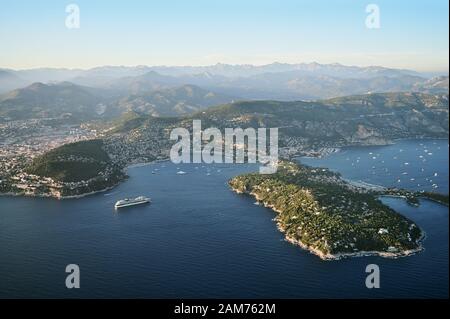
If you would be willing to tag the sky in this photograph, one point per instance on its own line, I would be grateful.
(412, 34)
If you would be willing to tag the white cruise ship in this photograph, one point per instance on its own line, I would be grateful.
(132, 202)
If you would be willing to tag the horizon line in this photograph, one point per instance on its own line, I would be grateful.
(446, 70)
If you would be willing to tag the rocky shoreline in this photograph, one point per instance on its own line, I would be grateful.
(46, 195)
(336, 256)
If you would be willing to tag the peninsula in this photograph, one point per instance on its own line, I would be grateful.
(319, 211)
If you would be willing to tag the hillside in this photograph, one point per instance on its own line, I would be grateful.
(319, 211)
(172, 101)
(367, 119)
(78, 103)
(51, 100)
(433, 86)
(302, 85)
(72, 162)
(387, 115)
(374, 119)
(282, 82)
(9, 81)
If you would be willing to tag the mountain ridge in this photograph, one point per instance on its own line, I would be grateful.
(279, 81)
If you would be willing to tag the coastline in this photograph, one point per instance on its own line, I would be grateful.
(140, 164)
(87, 194)
(59, 197)
(124, 170)
(433, 200)
(327, 151)
(339, 256)
(320, 153)
(336, 256)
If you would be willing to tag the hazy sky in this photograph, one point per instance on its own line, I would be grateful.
(413, 33)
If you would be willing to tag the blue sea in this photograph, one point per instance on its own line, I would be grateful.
(420, 165)
(198, 239)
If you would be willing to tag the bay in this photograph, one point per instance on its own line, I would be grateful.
(200, 240)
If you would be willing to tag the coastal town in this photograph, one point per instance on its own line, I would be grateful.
(23, 143)
(23, 140)
(41, 157)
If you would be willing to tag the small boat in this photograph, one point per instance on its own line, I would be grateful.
(181, 173)
(132, 202)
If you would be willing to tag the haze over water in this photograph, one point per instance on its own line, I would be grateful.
(198, 239)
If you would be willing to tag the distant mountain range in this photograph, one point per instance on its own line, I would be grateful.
(107, 92)
(273, 81)
(79, 103)
(182, 100)
(50, 101)
(434, 85)
(10, 81)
